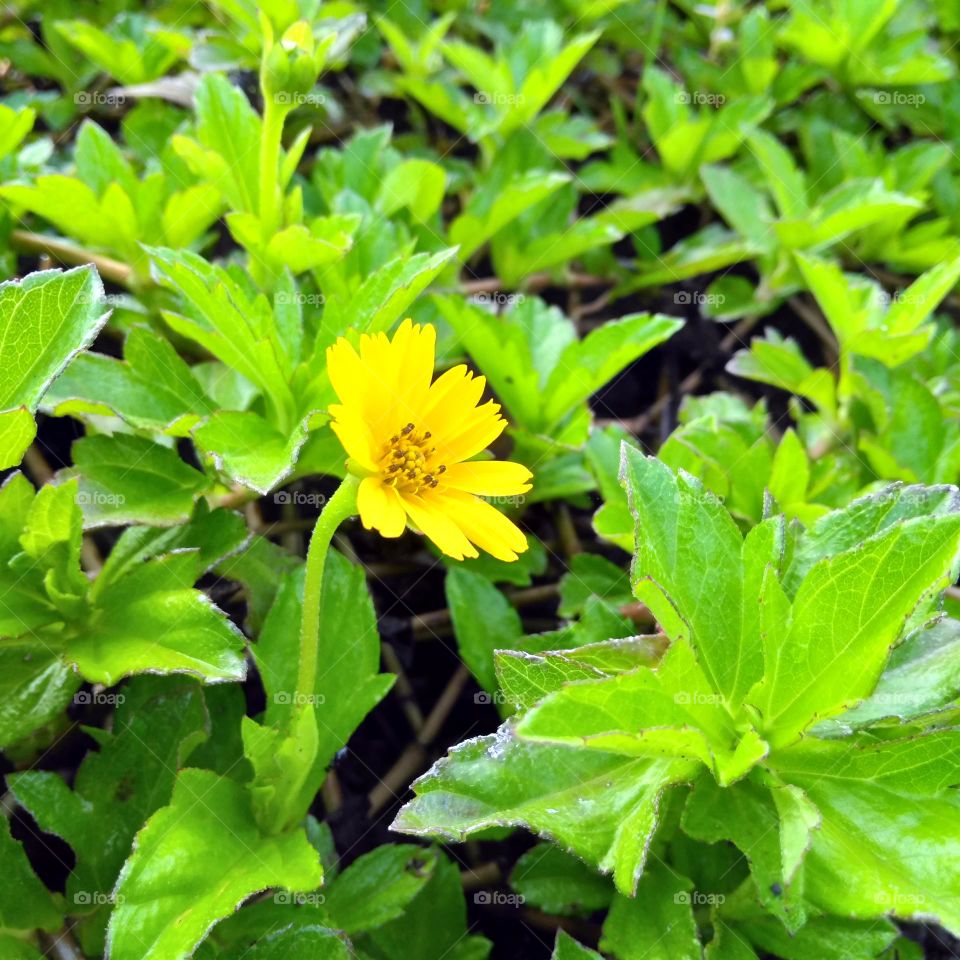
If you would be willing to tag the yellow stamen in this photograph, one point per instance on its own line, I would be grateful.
(405, 461)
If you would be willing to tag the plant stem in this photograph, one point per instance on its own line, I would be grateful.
(341, 505)
(274, 114)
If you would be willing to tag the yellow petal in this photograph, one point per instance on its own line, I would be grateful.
(476, 432)
(483, 524)
(489, 478)
(452, 396)
(352, 431)
(431, 519)
(380, 508)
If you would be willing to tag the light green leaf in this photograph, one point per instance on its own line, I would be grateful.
(248, 449)
(153, 621)
(128, 479)
(25, 903)
(848, 612)
(689, 569)
(600, 806)
(349, 683)
(194, 863)
(587, 365)
(45, 319)
(658, 924)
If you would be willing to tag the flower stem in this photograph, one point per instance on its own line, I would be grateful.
(341, 505)
(271, 137)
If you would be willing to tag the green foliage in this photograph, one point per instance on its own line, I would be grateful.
(771, 634)
(725, 235)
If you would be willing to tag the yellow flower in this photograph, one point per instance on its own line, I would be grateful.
(412, 441)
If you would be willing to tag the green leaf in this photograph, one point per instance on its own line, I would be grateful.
(728, 943)
(194, 863)
(25, 903)
(383, 296)
(772, 827)
(45, 320)
(116, 788)
(15, 949)
(526, 678)
(779, 361)
(477, 639)
(415, 184)
(378, 886)
(556, 882)
(432, 927)
(848, 612)
(151, 389)
(229, 129)
(216, 534)
(586, 365)
(658, 924)
(153, 621)
(35, 687)
(17, 430)
(312, 941)
(128, 479)
(486, 215)
(230, 320)
(613, 521)
(591, 575)
(600, 806)
(249, 450)
(862, 519)
(823, 938)
(926, 764)
(567, 948)
(922, 676)
(689, 569)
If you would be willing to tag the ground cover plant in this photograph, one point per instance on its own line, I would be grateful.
(479, 480)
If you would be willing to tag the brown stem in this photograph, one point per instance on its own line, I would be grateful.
(71, 255)
(413, 759)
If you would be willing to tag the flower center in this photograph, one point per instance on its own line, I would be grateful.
(406, 461)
